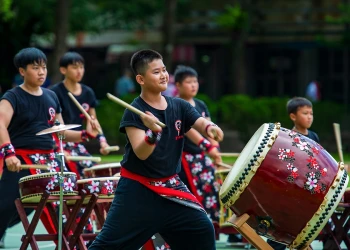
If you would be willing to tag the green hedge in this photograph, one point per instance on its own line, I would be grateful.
(235, 112)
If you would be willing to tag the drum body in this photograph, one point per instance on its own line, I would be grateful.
(103, 186)
(287, 183)
(32, 187)
(102, 170)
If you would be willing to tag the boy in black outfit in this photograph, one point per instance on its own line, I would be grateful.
(300, 112)
(24, 111)
(72, 67)
(150, 197)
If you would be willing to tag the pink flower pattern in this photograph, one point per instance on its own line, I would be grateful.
(313, 181)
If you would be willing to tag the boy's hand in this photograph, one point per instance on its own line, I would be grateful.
(95, 124)
(13, 164)
(215, 133)
(215, 155)
(93, 127)
(104, 145)
(149, 120)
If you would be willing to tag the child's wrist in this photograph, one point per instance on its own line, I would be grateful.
(152, 138)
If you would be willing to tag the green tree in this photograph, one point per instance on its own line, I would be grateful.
(20, 20)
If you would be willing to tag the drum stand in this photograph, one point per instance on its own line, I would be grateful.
(60, 181)
(240, 223)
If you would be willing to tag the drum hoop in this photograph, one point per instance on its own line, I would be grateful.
(325, 211)
(51, 193)
(240, 182)
(45, 175)
(113, 178)
(103, 166)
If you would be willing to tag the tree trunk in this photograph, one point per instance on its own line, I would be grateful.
(61, 32)
(169, 32)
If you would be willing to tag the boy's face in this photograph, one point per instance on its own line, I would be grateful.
(188, 87)
(156, 77)
(35, 74)
(73, 72)
(304, 117)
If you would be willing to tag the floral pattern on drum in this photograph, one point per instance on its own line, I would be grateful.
(313, 177)
(104, 187)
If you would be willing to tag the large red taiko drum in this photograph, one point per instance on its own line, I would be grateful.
(288, 184)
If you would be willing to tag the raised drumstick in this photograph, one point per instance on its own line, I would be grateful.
(41, 167)
(131, 108)
(336, 127)
(86, 114)
(83, 158)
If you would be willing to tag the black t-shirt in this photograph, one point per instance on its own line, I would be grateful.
(32, 114)
(165, 160)
(202, 109)
(70, 112)
(312, 135)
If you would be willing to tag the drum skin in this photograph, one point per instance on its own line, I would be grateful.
(288, 189)
(32, 187)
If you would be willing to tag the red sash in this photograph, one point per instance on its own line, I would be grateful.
(162, 187)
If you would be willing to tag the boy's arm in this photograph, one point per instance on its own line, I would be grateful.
(143, 143)
(208, 128)
(101, 138)
(210, 148)
(6, 113)
(77, 136)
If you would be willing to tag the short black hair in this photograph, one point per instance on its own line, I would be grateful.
(182, 71)
(140, 60)
(295, 103)
(28, 56)
(71, 58)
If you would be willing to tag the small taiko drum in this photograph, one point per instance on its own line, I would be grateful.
(103, 170)
(31, 187)
(287, 183)
(103, 186)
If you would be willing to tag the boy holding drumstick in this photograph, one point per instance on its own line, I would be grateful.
(149, 188)
(72, 67)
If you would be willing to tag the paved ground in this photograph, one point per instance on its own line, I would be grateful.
(13, 242)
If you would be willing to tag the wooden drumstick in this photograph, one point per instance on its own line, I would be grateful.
(131, 108)
(336, 127)
(86, 114)
(112, 148)
(41, 167)
(229, 154)
(224, 165)
(83, 158)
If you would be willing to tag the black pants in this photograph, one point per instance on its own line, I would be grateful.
(9, 190)
(137, 213)
(276, 245)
